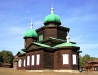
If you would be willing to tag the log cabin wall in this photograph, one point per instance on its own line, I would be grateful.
(48, 58)
(29, 40)
(22, 57)
(35, 66)
(76, 66)
(58, 62)
(50, 32)
(61, 34)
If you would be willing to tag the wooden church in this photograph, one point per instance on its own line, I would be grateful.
(48, 47)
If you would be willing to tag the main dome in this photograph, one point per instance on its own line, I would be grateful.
(30, 33)
(52, 18)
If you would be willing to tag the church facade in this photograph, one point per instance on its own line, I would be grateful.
(48, 47)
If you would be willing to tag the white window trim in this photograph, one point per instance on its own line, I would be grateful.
(41, 36)
(74, 59)
(28, 60)
(19, 63)
(24, 62)
(32, 63)
(37, 59)
(65, 59)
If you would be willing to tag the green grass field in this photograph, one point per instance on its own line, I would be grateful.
(10, 71)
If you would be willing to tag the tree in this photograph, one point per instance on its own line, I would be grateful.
(6, 56)
(80, 61)
(1, 58)
(84, 59)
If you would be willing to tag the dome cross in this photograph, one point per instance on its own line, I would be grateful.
(52, 9)
(31, 24)
(67, 38)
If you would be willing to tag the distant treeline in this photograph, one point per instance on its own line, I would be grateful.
(84, 59)
(6, 57)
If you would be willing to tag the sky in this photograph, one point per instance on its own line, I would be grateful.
(81, 16)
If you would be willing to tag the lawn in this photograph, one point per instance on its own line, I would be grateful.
(9, 71)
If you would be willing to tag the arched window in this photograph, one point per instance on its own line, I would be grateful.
(24, 62)
(32, 60)
(19, 62)
(28, 60)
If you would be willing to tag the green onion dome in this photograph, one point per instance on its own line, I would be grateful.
(52, 18)
(30, 33)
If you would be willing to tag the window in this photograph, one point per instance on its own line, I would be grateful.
(24, 63)
(65, 59)
(51, 24)
(28, 60)
(38, 59)
(32, 60)
(95, 69)
(19, 63)
(74, 58)
(40, 37)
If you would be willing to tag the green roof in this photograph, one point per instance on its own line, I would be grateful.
(22, 52)
(30, 33)
(52, 18)
(59, 45)
(53, 40)
(65, 45)
(40, 44)
(79, 51)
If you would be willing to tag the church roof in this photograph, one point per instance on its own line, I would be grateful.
(53, 40)
(30, 33)
(22, 52)
(59, 43)
(65, 44)
(52, 18)
(40, 44)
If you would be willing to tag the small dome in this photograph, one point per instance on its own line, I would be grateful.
(52, 18)
(30, 33)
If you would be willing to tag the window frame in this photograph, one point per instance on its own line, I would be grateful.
(41, 37)
(38, 59)
(28, 60)
(65, 59)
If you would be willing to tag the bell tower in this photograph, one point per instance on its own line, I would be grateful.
(52, 27)
(30, 36)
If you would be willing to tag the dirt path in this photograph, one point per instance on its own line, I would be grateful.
(8, 71)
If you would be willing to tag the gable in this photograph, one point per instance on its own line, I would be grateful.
(52, 41)
(36, 45)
